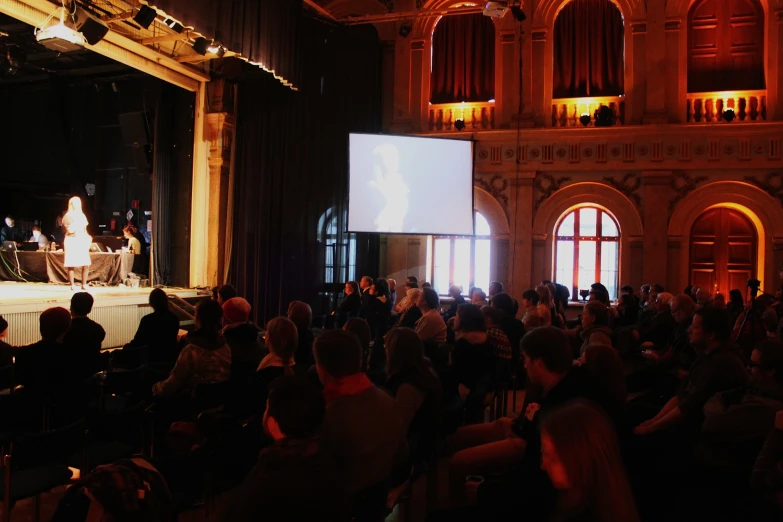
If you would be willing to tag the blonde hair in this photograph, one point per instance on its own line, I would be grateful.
(545, 296)
(282, 339)
(75, 204)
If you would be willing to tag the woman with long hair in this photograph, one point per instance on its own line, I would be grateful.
(581, 455)
(546, 305)
(77, 241)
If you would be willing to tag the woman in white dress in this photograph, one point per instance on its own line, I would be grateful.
(77, 241)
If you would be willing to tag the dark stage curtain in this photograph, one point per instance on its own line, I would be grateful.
(161, 185)
(264, 31)
(292, 167)
(463, 59)
(589, 50)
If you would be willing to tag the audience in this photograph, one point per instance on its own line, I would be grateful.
(83, 339)
(479, 298)
(363, 429)
(302, 316)
(294, 479)
(365, 283)
(225, 293)
(242, 336)
(546, 305)
(595, 325)
(205, 359)
(411, 282)
(158, 331)
(431, 327)
(531, 317)
(282, 340)
(412, 313)
(496, 337)
(495, 287)
(7, 352)
(473, 361)
(455, 293)
(42, 367)
(380, 308)
(351, 304)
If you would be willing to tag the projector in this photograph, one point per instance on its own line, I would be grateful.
(60, 38)
(496, 9)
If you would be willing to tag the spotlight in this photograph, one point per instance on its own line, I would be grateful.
(459, 124)
(145, 16)
(604, 117)
(201, 45)
(173, 24)
(405, 30)
(518, 13)
(729, 115)
(216, 49)
(585, 119)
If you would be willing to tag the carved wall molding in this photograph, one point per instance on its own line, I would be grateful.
(682, 185)
(497, 187)
(546, 185)
(772, 184)
(628, 185)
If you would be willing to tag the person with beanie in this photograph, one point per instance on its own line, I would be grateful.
(242, 337)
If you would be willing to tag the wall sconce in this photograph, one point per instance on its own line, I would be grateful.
(459, 124)
(729, 115)
(585, 119)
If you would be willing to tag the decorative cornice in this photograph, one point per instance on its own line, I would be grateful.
(547, 185)
(628, 185)
(772, 184)
(497, 187)
(682, 185)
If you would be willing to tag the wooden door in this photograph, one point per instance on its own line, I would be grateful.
(725, 45)
(723, 251)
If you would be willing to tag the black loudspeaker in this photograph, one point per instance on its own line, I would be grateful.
(134, 129)
(92, 28)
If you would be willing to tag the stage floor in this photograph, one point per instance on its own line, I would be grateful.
(117, 308)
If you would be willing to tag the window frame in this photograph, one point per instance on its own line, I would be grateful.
(343, 264)
(576, 238)
(452, 242)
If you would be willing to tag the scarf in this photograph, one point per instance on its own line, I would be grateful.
(346, 386)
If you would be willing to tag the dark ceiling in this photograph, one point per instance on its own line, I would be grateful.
(31, 62)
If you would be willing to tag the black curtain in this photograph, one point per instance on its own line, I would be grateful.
(161, 185)
(292, 167)
(264, 31)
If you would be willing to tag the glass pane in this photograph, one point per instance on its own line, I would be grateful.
(588, 221)
(440, 272)
(482, 226)
(608, 228)
(331, 228)
(481, 271)
(586, 264)
(609, 264)
(352, 259)
(564, 267)
(566, 227)
(461, 263)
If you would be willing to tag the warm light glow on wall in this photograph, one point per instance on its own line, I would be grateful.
(745, 211)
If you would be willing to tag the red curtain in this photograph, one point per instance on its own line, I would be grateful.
(463, 59)
(264, 31)
(589, 50)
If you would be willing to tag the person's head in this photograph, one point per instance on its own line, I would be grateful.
(365, 282)
(599, 294)
(382, 287)
(469, 318)
(392, 285)
(530, 298)
(294, 409)
(412, 282)
(58, 221)
(75, 204)
(547, 354)
(544, 295)
(710, 329)
(236, 311)
(493, 316)
(703, 297)
(657, 288)
(300, 314)
(3, 327)
(36, 232)
(337, 354)
(581, 455)
(766, 363)
(479, 297)
(81, 304)
(351, 287)
(495, 287)
(158, 300)
(425, 284)
(663, 299)
(413, 295)
(209, 315)
(403, 349)
(504, 303)
(719, 301)
(9, 221)
(682, 308)
(627, 304)
(595, 313)
(360, 328)
(626, 290)
(428, 300)
(225, 293)
(735, 296)
(644, 292)
(455, 291)
(54, 322)
(127, 232)
(282, 339)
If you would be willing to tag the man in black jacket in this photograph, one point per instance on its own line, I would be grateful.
(84, 337)
(351, 304)
(365, 284)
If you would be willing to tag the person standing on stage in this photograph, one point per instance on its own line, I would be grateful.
(77, 241)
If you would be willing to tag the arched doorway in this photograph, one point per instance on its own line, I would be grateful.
(724, 247)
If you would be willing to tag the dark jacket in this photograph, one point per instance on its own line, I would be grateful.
(349, 308)
(304, 351)
(7, 354)
(514, 330)
(42, 367)
(11, 234)
(409, 317)
(158, 332)
(379, 316)
(294, 481)
(657, 329)
(720, 370)
(83, 346)
(473, 360)
(247, 349)
(422, 430)
(679, 354)
(367, 298)
(453, 308)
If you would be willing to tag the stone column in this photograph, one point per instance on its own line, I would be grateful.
(506, 79)
(636, 92)
(388, 75)
(656, 63)
(676, 70)
(656, 195)
(539, 70)
(520, 243)
(401, 105)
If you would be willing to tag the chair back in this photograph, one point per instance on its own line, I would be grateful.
(58, 445)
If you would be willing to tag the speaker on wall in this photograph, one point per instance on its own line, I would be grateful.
(91, 27)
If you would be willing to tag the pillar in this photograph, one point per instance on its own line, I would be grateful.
(506, 78)
(541, 80)
(199, 209)
(676, 71)
(401, 102)
(656, 63)
(520, 244)
(636, 71)
(656, 195)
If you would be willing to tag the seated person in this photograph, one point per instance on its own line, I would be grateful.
(158, 331)
(595, 325)
(134, 245)
(455, 292)
(302, 316)
(282, 341)
(656, 327)
(225, 293)
(530, 316)
(496, 337)
(42, 367)
(363, 428)
(242, 336)
(431, 327)
(411, 282)
(84, 337)
(9, 232)
(473, 361)
(205, 359)
(39, 238)
(413, 313)
(294, 479)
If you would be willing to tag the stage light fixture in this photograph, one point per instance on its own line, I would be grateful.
(585, 119)
(145, 16)
(216, 49)
(459, 124)
(729, 115)
(174, 25)
(405, 30)
(201, 45)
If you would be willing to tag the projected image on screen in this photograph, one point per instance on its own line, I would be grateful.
(401, 184)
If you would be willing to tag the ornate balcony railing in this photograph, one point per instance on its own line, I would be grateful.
(467, 117)
(568, 112)
(727, 107)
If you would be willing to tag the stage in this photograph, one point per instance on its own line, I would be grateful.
(117, 308)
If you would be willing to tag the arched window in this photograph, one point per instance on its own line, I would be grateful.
(589, 50)
(462, 261)
(726, 46)
(587, 247)
(337, 256)
(463, 59)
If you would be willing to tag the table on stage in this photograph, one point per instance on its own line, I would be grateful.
(42, 267)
